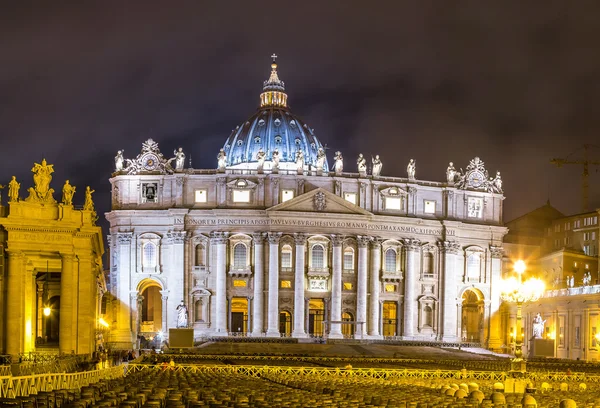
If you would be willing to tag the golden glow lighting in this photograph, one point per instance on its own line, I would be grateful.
(103, 322)
(47, 311)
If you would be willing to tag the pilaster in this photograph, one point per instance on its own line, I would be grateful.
(299, 303)
(273, 307)
(413, 247)
(336, 288)
(259, 273)
(448, 293)
(361, 285)
(375, 273)
(495, 341)
(219, 240)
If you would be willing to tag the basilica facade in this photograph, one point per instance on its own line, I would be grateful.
(274, 241)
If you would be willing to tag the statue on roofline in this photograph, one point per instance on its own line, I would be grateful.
(42, 176)
(411, 169)
(13, 190)
(260, 158)
(339, 163)
(361, 164)
(320, 159)
(68, 192)
(221, 160)
(275, 167)
(179, 159)
(88, 204)
(377, 165)
(119, 160)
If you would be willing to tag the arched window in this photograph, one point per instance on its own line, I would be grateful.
(239, 256)
(428, 316)
(149, 260)
(199, 255)
(318, 256)
(349, 259)
(390, 260)
(473, 265)
(286, 256)
(428, 263)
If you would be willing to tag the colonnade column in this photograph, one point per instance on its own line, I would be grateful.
(259, 272)
(335, 319)
(15, 322)
(375, 288)
(219, 240)
(273, 308)
(299, 330)
(449, 311)
(410, 302)
(361, 286)
(494, 330)
(164, 297)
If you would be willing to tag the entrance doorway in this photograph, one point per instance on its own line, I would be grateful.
(239, 315)
(348, 328)
(390, 318)
(316, 313)
(472, 316)
(285, 324)
(151, 313)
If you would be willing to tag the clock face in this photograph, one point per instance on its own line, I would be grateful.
(150, 162)
(476, 179)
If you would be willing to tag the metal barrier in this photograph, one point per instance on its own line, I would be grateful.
(12, 387)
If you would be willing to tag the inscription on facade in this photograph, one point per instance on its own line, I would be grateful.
(370, 226)
(38, 237)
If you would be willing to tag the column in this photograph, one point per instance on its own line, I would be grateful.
(361, 286)
(15, 322)
(249, 313)
(85, 312)
(68, 312)
(121, 331)
(448, 293)
(495, 342)
(219, 240)
(374, 330)
(335, 331)
(410, 301)
(41, 303)
(175, 268)
(165, 300)
(273, 308)
(299, 302)
(259, 272)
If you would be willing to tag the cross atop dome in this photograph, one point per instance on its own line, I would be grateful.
(274, 89)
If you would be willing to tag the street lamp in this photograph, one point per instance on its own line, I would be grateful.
(514, 290)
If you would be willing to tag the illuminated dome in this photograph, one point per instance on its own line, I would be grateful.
(273, 126)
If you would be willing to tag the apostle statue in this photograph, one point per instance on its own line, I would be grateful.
(275, 167)
(182, 316)
(260, 158)
(339, 163)
(88, 204)
(411, 169)
(538, 326)
(451, 173)
(361, 163)
(221, 160)
(376, 166)
(320, 160)
(179, 159)
(13, 190)
(119, 160)
(496, 184)
(300, 161)
(68, 192)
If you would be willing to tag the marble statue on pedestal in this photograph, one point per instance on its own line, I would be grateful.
(538, 326)
(68, 192)
(300, 161)
(182, 316)
(339, 163)
(119, 160)
(361, 164)
(377, 164)
(260, 158)
(320, 160)
(221, 160)
(179, 159)
(275, 167)
(13, 190)
(495, 184)
(42, 177)
(88, 204)
(411, 169)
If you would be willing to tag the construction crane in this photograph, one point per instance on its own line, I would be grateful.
(585, 183)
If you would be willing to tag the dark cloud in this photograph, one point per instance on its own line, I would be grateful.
(515, 83)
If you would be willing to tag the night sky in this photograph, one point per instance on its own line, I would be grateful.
(515, 84)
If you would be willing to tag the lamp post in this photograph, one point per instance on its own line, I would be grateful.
(514, 290)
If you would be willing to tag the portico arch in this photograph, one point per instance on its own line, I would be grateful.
(149, 301)
(472, 317)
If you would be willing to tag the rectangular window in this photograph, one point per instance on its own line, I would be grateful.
(557, 228)
(351, 197)
(200, 196)
(240, 283)
(475, 207)
(390, 287)
(286, 195)
(586, 250)
(393, 203)
(595, 220)
(577, 224)
(286, 259)
(348, 261)
(567, 226)
(429, 207)
(593, 235)
(241, 196)
(347, 285)
(286, 284)
(556, 243)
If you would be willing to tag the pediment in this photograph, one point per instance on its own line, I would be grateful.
(320, 201)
